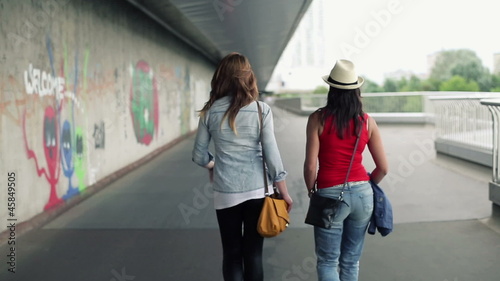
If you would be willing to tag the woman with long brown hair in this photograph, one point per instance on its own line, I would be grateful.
(332, 133)
(230, 118)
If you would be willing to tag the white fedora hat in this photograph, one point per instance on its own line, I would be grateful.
(343, 76)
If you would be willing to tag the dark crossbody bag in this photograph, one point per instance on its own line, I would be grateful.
(322, 210)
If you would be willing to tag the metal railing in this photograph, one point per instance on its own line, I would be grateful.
(413, 107)
(463, 120)
(414, 102)
(467, 125)
(493, 106)
(463, 127)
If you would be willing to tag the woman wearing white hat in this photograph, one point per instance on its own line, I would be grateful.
(332, 132)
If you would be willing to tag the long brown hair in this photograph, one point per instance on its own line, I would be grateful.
(233, 77)
(343, 106)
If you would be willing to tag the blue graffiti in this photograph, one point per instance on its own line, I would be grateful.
(67, 159)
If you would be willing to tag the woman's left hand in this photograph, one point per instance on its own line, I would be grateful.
(211, 175)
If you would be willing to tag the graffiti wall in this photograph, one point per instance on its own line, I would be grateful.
(87, 88)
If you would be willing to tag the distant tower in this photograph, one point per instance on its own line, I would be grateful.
(496, 63)
(431, 61)
(301, 64)
(307, 46)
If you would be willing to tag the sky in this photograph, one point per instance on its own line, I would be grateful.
(383, 36)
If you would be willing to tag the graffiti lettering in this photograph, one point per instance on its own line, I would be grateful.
(44, 84)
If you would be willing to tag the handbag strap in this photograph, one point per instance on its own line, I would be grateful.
(263, 154)
(350, 165)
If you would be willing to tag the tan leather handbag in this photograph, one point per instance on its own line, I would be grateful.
(274, 217)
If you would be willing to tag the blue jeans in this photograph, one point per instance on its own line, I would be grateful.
(341, 246)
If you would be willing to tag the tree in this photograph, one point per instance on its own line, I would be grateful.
(474, 71)
(430, 84)
(320, 90)
(461, 62)
(458, 83)
(371, 87)
(402, 84)
(412, 85)
(390, 85)
(495, 83)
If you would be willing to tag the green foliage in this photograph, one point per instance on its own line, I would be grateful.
(396, 103)
(293, 95)
(371, 87)
(320, 90)
(459, 83)
(430, 85)
(412, 85)
(464, 63)
(449, 65)
(390, 85)
(495, 82)
(402, 84)
(473, 71)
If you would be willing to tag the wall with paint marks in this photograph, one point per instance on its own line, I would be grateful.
(87, 88)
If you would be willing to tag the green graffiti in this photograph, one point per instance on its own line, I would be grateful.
(80, 170)
(143, 103)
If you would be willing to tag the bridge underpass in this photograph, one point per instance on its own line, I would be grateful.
(158, 223)
(100, 210)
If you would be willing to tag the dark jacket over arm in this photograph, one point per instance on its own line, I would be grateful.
(382, 219)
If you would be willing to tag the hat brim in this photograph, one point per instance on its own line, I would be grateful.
(345, 87)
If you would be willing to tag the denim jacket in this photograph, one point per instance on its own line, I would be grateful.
(238, 157)
(381, 219)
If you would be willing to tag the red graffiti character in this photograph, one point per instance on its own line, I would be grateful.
(51, 149)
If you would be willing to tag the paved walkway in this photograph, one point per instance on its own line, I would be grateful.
(157, 222)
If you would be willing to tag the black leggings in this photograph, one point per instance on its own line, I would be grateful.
(242, 251)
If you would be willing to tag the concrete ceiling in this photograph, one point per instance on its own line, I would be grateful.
(259, 29)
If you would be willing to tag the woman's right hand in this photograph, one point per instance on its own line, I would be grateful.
(283, 190)
(289, 202)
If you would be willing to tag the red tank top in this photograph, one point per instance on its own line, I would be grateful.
(335, 155)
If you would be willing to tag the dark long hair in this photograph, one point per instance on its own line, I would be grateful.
(233, 77)
(343, 106)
